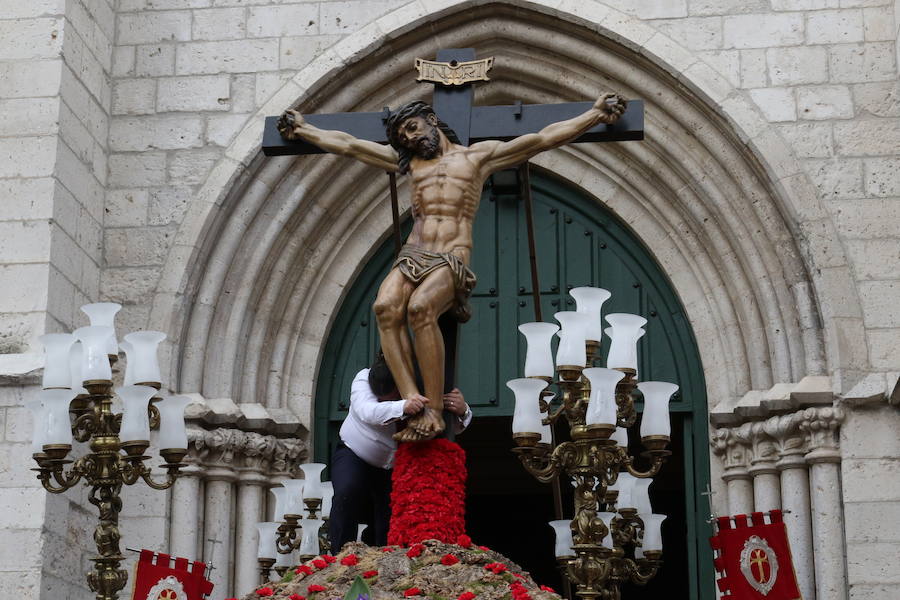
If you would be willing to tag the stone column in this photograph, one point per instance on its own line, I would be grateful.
(217, 453)
(821, 427)
(187, 502)
(250, 509)
(791, 465)
(766, 483)
(736, 456)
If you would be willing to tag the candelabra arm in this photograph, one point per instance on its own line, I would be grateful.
(147, 476)
(554, 463)
(84, 426)
(655, 466)
(641, 571)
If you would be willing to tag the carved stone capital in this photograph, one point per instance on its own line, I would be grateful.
(790, 443)
(232, 454)
(734, 449)
(821, 427)
(763, 453)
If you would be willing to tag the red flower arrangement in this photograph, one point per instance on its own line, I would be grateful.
(547, 588)
(296, 597)
(415, 550)
(518, 575)
(315, 588)
(449, 559)
(518, 591)
(319, 563)
(350, 560)
(466, 596)
(328, 558)
(413, 591)
(388, 549)
(464, 541)
(265, 591)
(303, 570)
(369, 574)
(495, 567)
(428, 492)
(485, 548)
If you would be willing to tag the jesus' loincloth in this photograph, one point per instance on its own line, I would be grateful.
(416, 264)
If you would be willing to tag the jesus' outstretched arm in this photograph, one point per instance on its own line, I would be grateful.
(293, 126)
(501, 155)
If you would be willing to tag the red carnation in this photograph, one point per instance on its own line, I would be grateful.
(350, 560)
(266, 591)
(466, 595)
(368, 574)
(296, 597)
(315, 588)
(411, 592)
(388, 549)
(547, 588)
(485, 548)
(518, 575)
(449, 559)
(496, 567)
(303, 569)
(329, 558)
(415, 550)
(464, 541)
(319, 563)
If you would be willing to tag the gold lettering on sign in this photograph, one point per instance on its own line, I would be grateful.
(454, 73)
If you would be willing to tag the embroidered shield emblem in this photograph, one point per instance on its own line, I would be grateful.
(167, 588)
(759, 564)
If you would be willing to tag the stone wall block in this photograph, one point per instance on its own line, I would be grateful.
(762, 31)
(26, 199)
(129, 285)
(834, 27)
(881, 99)
(726, 7)
(169, 204)
(294, 19)
(236, 56)
(221, 129)
(194, 94)
(219, 24)
(25, 39)
(25, 241)
(123, 61)
(873, 562)
(126, 208)
(187, 167)
(797, 65)
(696, 33)
(29, 116)
(133, 170)
(136, 247)
(776, 104)
(881, 304)
(872, 522)
(30, 78)
(884, 346)
(858, 63)
(824, 102)
(134, 97)
(726, 62)
(27, 156)
(155, 133)
(754, 73)
(836, 178)
(879, 24)
(866, 219)
(809, 140)
(148, 27)
(882, 177)
(155, 60)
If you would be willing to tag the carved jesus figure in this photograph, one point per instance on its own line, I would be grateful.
(431, 273)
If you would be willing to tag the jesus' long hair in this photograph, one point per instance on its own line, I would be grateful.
(417, 108)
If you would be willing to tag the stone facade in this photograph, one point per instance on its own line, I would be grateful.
(768, 189)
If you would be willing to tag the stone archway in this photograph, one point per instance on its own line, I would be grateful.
(270, 245)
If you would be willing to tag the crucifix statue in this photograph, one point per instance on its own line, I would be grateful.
(431, 274)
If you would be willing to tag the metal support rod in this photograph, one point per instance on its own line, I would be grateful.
(395, 213)
(525, 194)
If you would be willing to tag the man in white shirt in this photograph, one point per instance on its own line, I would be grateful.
(362, 462)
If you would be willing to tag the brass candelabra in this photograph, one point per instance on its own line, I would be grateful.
(108, 466)
(594, 462)
(287, 539)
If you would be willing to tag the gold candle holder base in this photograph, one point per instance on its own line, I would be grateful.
(527, 439)
(57, 451)
(655, 443)
(601, 431)
(135, 448)
(569, 372)
(173, 456)
(653, 555)
(154, 384)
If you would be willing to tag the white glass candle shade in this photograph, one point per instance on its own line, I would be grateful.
(104, 314)
(624, 485)
(538, 352)
(309, 542)
(571, 351)
(640, 495)
(75, 369)
(620, 435)
(293, 499)
(285, 560)
(172, 433)
(607, 518)
(39, 428)
(624, 333)
(655, 420)
(266, 546)
(94, 359)
(359, 531)
(652, 532)
(142, 359)
(135, 419)
(589, 301)
(280, 493)
(327, 498)
(56, 359)
(564, 543)
(128, 378)
(527, 415)
(56, 418)
(602, 404)
(312, 477)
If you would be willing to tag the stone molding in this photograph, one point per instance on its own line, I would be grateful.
(822, 427)
(250, 457)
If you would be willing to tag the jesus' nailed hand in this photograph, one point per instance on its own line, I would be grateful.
(431, 274)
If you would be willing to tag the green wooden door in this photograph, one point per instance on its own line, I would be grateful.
(579, 243)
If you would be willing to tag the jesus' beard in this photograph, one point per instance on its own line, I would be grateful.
(428, 146)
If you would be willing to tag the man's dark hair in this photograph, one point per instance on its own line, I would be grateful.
(417, 108)
(380, 378)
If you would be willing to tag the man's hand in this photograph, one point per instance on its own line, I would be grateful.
(455, 403)
(613, 107)
(288, 124)
(414, 404)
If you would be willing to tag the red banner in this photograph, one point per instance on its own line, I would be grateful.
(754, 561)
(156, 578)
